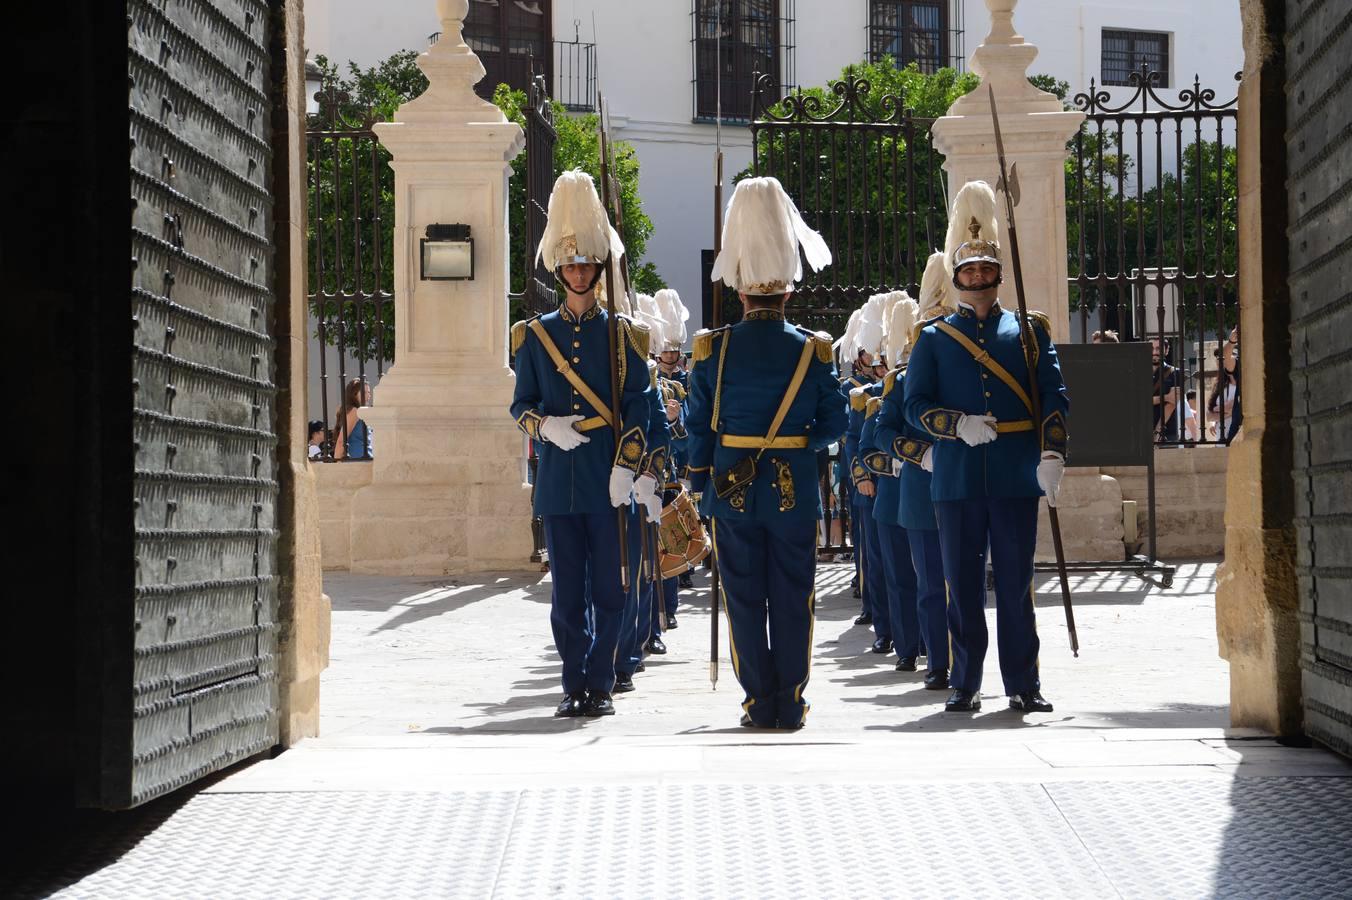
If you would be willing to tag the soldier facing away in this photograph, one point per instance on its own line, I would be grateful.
(763, 400)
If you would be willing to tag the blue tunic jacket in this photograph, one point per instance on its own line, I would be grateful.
(739, 377)
(945, 381)
(577, 481)
(877, 460)
(900, 440)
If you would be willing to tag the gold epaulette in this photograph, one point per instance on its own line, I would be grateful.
(890, 380)
(703, 346)
(518, 335)
(858, 399)
(640, 338)
(1040, 318)
(822, 342)
(874, 404)
(921, 326)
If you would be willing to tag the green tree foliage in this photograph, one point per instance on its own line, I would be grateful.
(356, 244)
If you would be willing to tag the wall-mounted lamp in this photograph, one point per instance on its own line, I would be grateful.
(314, 83)
(447, 253)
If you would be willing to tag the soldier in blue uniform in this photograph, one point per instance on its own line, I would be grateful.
(763, 400)
(864, 370)
(644, 592)
(893, 550)
(671, 368)
(562, 402)
(967, 387)
(908, 446)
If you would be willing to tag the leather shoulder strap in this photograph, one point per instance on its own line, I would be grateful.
(602, 409)
(795, 385)
(984, 358)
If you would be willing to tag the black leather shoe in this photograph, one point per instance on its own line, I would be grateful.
(671, 622)
(624, 682)
(571, 705)
(864, 619)
(599, 704)
(640, 668)
(854, 592)
(1030, 701)
(685, 581)
(748, 722)
(882, 645)
(655, 645)
(963, 701)
(906, 664)
(936, 679)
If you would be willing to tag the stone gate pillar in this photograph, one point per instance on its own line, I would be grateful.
(1035, 130)
(447, 493)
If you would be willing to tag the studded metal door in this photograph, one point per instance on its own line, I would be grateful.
(1318, 51)
(205, 682)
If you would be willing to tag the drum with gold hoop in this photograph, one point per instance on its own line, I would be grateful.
(684, 542)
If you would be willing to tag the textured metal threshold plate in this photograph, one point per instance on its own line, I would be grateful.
(1248, 837)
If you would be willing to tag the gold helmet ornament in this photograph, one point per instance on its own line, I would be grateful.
(974, 232)
(578, 231)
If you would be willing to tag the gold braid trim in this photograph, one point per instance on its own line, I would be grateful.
(518, 336)
(638, 335)
(890, 380)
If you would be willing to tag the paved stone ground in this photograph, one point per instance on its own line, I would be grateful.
(441, 771)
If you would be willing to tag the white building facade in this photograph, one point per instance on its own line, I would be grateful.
(659, 80)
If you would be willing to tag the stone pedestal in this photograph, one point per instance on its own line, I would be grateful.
(447, 490)
(1090, 507)
(1035, 130)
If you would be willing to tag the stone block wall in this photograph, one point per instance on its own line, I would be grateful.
(1189, 500)
(337, 483)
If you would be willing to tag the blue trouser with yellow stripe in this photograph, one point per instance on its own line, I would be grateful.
(638, 606)
(931, 599)
(1010, 526)
(587, 601)
(874, 573)
(766, 573)
(894, 558)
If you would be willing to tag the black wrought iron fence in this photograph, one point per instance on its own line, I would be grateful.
(1152, 216)
(864, 172)
(350, 243)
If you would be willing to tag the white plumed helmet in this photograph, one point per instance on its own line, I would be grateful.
(762, 231)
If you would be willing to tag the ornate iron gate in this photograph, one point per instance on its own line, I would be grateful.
(350, 253)
(864, 172)
(541, 296)
(1321, 367)
(205, 691)
(1152, 218)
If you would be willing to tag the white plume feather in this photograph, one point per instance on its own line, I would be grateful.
(934, 284)
(905, 313)
(674, 316)
(762, 231)
(575, 211)
(976, 200)
(869, 335)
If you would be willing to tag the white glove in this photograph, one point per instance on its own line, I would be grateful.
(976, 430)
(896, 467)
(1049, 472)
(927, 461)
(645, 492)
(621, 485)
(559, 431)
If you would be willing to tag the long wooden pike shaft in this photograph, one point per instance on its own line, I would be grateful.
(1029, 339)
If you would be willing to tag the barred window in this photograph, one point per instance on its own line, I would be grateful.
(909, 31)
(509, 36)
(732, 47)
(1125, 51)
